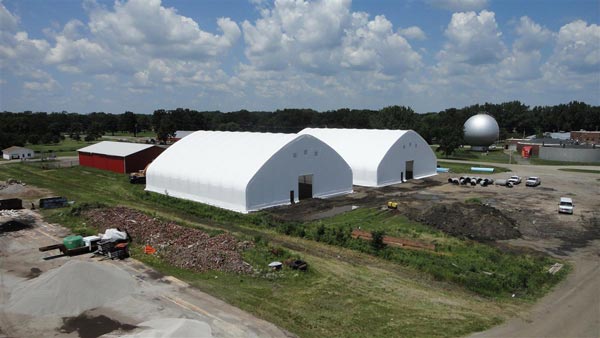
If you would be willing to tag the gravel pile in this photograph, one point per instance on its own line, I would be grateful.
(181, 246)
(71, 289)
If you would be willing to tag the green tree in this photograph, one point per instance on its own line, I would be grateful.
(377, 242)
(128, 122)
(166, 128)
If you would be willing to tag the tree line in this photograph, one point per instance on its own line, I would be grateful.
(443, 127)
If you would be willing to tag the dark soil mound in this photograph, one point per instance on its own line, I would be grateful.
(474, 221)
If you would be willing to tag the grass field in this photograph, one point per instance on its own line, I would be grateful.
(465, 168)
(587, 171)
(494, 156)
(346, 293)
(539, 161)
(67, 147)
(145, 133)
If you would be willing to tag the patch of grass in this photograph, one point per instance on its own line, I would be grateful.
(339, 299)
(66, 147)
(539, 161)
(465, 154)
(145, 133)
(587, 171)
(465, 168)
(478, 267)
(474, 200)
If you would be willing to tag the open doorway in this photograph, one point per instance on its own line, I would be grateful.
(409, 169)
(305, 186)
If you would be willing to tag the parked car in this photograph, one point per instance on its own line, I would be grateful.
(565, 206)
(533, 181)
(514, 180)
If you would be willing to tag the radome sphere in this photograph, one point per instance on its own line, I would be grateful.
(481, 130)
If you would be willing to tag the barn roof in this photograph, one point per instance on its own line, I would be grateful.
(15, 148)
(220, 157)
(110, 148)
(358, 146)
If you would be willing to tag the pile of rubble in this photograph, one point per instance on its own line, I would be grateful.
(181, 246)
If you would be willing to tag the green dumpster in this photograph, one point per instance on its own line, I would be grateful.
(72, 242)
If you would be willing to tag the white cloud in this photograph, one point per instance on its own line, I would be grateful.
(521, 65)
(325, 38)
(578, 48)
(531, 36)
(49, 85)
(473, 39)
(413, 33)
(150, 28)
(459, 5)
(136, 35)
(8, 21)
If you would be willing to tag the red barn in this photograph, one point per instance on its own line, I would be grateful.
(119, 157)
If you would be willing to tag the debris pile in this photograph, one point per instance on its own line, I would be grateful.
(478, 222)
(181, 246)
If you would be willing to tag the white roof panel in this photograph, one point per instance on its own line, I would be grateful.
(215, 156)
(358, 146)
(110, 148)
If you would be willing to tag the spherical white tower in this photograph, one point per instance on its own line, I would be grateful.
(481, 131)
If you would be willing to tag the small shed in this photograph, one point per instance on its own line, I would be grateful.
(16, 153)
(119, 157)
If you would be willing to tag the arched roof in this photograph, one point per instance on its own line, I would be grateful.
(359, 147)
(228, 159)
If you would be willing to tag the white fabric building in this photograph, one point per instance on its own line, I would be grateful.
(380, 157)
(244, 171)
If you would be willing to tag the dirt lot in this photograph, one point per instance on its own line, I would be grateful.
(530, 210)
(154, 296)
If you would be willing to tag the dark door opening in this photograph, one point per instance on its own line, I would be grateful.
(409, 169)
(402, 176)
(292, 197)
(305, 186)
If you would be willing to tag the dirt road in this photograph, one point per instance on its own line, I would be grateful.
(571, 310)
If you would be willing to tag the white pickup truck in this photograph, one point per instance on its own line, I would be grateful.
(565, 206)
(514, 180)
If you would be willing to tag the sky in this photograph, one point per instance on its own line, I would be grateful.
(142, 55)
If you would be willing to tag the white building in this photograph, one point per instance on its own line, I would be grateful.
(380, 157)
(244, 171)
(16, 153)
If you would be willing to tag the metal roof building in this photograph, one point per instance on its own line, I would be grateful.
(120, 157)
(15, 153)
(245, 171)
(380, 157)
